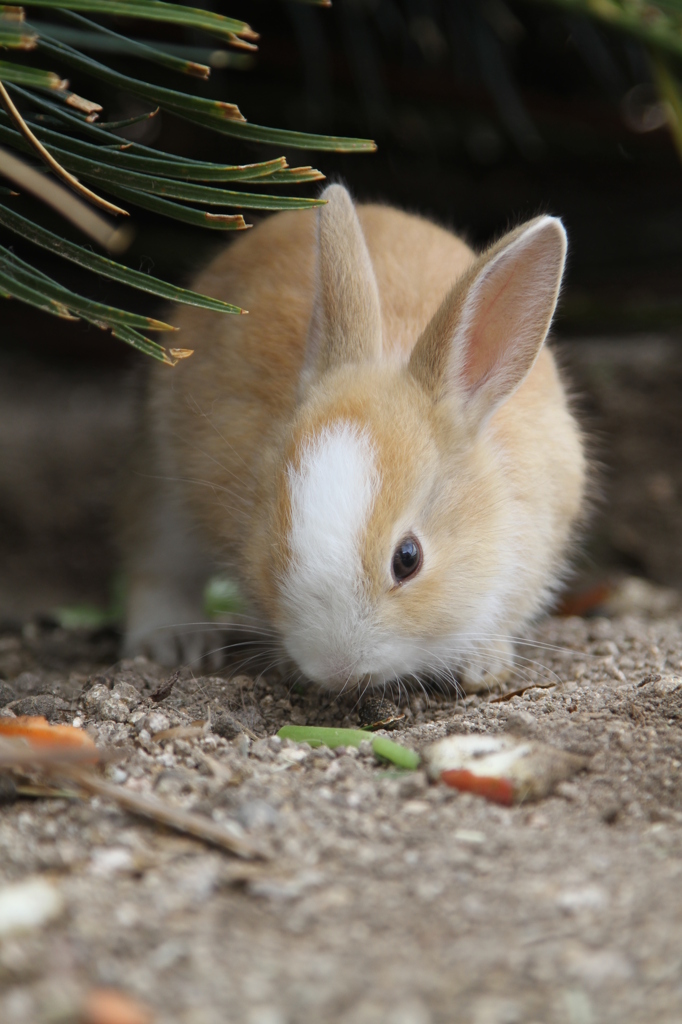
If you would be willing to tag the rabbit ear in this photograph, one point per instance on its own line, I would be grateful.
(484, 339)
(346, 321)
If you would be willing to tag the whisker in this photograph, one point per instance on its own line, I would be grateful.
(523, 641)
(202, 483)
(208, 419)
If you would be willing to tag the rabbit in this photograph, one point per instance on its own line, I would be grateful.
(382, 451)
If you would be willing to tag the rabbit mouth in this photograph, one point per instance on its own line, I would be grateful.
(339, 675)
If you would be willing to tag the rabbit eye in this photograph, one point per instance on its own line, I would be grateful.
(407, 559)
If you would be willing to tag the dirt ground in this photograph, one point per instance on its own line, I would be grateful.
(386, 898)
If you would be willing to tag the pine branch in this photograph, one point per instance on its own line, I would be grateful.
(59, 130)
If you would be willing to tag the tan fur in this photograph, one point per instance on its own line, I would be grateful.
(234, 415)
(346, 318)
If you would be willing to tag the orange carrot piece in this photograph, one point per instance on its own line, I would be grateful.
(109, 1006)
(584, 602)
(37, 731)
(499, 791)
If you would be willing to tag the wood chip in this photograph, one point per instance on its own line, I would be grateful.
(182, 732)
(165, 689)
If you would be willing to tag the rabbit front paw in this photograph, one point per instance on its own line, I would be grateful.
(171, 632)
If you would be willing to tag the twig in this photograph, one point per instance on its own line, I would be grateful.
(112, 237)
(59, 759)
(53, 164)
(150, 807)
(521, 690)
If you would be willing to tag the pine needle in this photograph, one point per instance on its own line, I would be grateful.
(53, 164)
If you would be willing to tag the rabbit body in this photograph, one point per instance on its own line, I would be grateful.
(388, 387)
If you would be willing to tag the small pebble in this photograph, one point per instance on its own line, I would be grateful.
(27, 905)
(226, 725)
(27, 683)
(379, 713)
(7, 694)
(156, 722)
(257, 814)
(110, 861)
(96, 695)
(293, 754)
(127, 693)
(667, 685)
(470, 837)
(42, 704)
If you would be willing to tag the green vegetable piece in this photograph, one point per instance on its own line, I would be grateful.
(82, 616)
(390, 751)
(318, 736)
(222, 596)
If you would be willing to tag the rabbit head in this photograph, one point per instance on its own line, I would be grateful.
(396, 538)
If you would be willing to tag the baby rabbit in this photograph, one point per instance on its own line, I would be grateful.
(381, 451)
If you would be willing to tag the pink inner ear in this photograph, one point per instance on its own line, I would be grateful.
(489, 323)
(508, 312)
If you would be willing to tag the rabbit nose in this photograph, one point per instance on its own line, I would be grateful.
(338, 680)
(341, 677)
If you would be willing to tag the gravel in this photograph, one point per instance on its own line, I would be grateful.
(386, 898)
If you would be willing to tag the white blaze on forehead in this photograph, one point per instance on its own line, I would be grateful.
(331, 491)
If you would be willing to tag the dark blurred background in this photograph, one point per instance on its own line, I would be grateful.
(485, 112)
